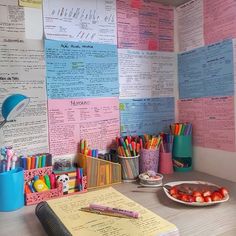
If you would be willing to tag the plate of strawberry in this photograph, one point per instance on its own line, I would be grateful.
(196, 193)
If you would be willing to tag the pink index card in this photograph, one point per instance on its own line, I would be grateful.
(212, 119)
(94, 119)
(145, 25)
(219, 20)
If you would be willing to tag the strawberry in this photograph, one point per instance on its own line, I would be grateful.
(199, 199)
(197, 194)
(224, 192)
(206, 193)
(175, 196)
(216, 196)
(207, 199)
(173, 191)
(184, 198)
(191, 198)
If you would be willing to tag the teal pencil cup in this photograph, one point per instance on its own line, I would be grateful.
(182, 146)
(182, 153)
(12, 190)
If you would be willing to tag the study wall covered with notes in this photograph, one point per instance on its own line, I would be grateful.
(95, 71)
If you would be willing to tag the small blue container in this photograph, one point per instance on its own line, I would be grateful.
(12, 189)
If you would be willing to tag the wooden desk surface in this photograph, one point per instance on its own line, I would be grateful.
(214, 220)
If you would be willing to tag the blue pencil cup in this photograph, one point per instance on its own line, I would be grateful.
(12, 190)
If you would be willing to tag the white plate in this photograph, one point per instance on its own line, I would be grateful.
(193, 203)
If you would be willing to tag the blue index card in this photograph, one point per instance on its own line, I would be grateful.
(207, 71)
(147, 115)
(76, 69)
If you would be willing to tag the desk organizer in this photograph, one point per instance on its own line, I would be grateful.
(12, 190)
(182, 152)
(165, 163)
(99, 172)
(34, 198)
(149, 160)
(129, 168)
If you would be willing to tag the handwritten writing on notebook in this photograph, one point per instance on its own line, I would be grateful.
(11, 20)
(150, 115)
(190, 25)
(79, 20)
(145, 25)
(145, 74)
(212, 119)
(83, 223)
(70, 120)
(81, 69)
(207, 71)
(22, 70)
(219, 20)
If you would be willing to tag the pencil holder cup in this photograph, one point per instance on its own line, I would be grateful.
(12, 190)
(182, 146)
(149, 160)
(129, 168)
(165, 163)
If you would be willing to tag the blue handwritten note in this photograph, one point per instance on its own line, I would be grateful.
(148, 115)
(207, 71)
(79, 70)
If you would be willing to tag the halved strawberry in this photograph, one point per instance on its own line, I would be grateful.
(224, 192)
(196, 194)
(216, 196)
(207, 199)
(177, 196)
(199, 199)
(184, 198)
(206, 193)
(173, 191)
(191, 199)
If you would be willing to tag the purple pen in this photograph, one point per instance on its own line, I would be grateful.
(97, 207)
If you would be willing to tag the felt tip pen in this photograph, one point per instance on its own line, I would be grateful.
(101, 208)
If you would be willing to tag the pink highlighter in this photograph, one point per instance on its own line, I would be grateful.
(52, 178)
(101, 208)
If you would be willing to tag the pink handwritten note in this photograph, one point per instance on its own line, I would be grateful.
(219, 20)
(212, 119)
(70, 120)
(145, 25)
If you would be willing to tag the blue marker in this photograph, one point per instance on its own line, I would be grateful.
(43, 161)
(24, 162)
(81, 179)
(36, 161)
(96, 152)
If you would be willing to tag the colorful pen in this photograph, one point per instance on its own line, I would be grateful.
(102, 208)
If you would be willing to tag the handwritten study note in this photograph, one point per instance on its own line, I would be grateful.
(207, 71)
(22, 70)
(150, 115)
(190, 25)
(94, 119)
(219, 20)
(212, 119)
(84, 223)
(145, 25)
(12, 23)
(79, 20)
(31, 3)
(145, 74)
(81, 69)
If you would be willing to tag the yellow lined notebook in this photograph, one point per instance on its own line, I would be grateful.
(76, 222)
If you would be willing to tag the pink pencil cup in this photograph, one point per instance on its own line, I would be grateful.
(165, 163)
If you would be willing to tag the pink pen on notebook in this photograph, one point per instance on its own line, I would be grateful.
(111, 211)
